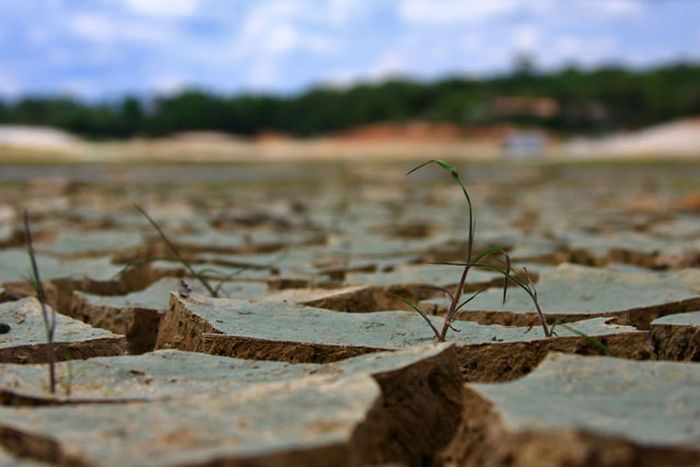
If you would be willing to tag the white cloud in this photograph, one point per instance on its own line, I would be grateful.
(278, 27)
(93, 27)
(616, 7)
(568, 46)
(283, 38)
(473, 11)
(289, 44)
(581, 50)
(388, 65)
(341, 79)
(101, 28)
(272, 31)
(453, 11)
(340, 12)
(168, 83)
(163, 8)
(526, 38)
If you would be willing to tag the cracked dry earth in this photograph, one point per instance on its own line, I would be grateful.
(309, 357)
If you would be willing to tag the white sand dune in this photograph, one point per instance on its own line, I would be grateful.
(677, 138)
(37, 137)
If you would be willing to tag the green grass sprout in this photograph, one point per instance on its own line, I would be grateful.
(477, 261)
(604, 349)
(48, 317)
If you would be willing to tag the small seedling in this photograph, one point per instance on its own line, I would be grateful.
(214, 292)
(477, 261)
(49, 318)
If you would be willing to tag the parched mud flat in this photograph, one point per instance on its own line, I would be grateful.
(310, 353)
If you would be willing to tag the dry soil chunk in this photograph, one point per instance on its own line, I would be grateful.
(26, 341)
(137, 315)
(305, 422)
(310, 415)
(571, 292)
(259, 241)
(384, 291)
(421, 275)
(584, 411)
(213, 272)
(80, 243)
(282, 331)
(632, 248)
(366, 245)
(677, 337)
(352, 299)
(7, 459)
(15, 267)
(175, 373)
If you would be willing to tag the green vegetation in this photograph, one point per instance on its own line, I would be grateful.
(604, 349)
(49, 318)
(585, 101)
(477, 261)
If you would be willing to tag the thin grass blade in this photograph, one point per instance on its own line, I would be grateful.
(506, 280)
(458, 179)
(421, 313)
(49, 321)
(597, 343)
(474, 295)
(176, 252)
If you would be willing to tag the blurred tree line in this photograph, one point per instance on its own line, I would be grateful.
(586, 101)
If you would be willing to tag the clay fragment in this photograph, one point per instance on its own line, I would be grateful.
(584, 411)
(15, 263)
(384, 291)
(73, 340)
(85, 244)
(643, 250)
(63, 276)
(677, 337)
(217, 241)
(406, 412)
(572, 292)
(351, 299)
(7, 459)
(266, 330)
(137, 315)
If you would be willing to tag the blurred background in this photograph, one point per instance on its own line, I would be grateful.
(220, 80)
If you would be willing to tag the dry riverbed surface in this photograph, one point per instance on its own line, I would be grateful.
(309, 353)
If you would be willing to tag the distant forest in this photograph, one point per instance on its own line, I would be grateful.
(567, 101)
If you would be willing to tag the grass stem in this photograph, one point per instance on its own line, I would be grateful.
(49, 318)
(212, 291)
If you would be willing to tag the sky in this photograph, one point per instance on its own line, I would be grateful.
(108, 48)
